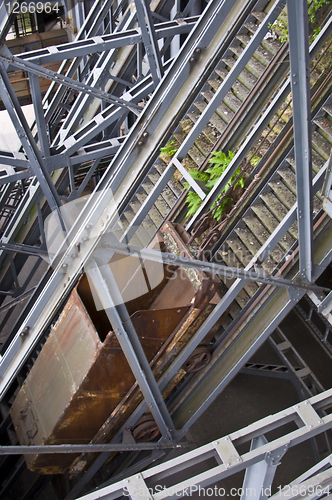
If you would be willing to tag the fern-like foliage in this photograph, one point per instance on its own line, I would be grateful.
(210, 176)
(193, 200)
(170, 149)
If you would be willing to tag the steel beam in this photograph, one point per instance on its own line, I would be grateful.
(102, 43)
(206, 267)
(89, 153)
(81, 448)
(101, 277)
(18, 119)
(149, 38)
(300, 78)
(259, 476)
(14, 159)
(90, 28)
(68, 82)
(327, 190)
(26, 249)
(17, 300)
(39, 113)
(226, 452)
(98, 78)
(69, 144)
(313, 484)
(6, 18)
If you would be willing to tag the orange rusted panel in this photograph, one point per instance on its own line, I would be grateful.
(81, 381)
(78, 380)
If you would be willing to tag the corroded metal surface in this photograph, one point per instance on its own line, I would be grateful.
(77, 375)
(82, 370)
(53, 383)
(178, 289)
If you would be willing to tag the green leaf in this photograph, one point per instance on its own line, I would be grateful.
(199, 176)
(169, 149)
(210, 176)
(194, 202)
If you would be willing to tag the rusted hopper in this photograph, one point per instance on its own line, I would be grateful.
(81, 376)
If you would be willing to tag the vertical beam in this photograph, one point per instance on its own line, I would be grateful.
(39, 113)
(175, 43)
(299, 62)
(259, 476)
(150, 40)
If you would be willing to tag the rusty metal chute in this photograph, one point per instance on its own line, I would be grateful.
(81, 381)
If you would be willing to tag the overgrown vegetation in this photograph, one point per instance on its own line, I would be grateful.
(209, 177)
(281, 24)
(170, 149)
(255, 160)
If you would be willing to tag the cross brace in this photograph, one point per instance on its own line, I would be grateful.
(208, 267)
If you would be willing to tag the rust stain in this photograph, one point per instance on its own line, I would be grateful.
(82, 370)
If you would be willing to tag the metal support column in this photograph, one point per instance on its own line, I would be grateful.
(299, 61)
(108, 292)
(150, 40)
(259, 476)
(39, 114)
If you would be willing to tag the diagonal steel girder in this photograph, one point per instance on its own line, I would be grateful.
(108, 291)
(68, 82)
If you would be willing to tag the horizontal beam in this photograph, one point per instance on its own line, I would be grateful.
(13, 158)
(26, 249)
(82, 448)
(207, 267)
(87, 154)
(104, 43)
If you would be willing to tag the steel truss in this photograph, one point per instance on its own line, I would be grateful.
(59, 145)
(260, 462)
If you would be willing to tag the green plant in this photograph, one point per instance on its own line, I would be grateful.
(281, 24)
(254, 160)
(314, 6)
(315, 33)
(210, 177)
(170, 149)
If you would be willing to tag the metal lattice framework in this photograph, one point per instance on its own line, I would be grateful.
(119, 73)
